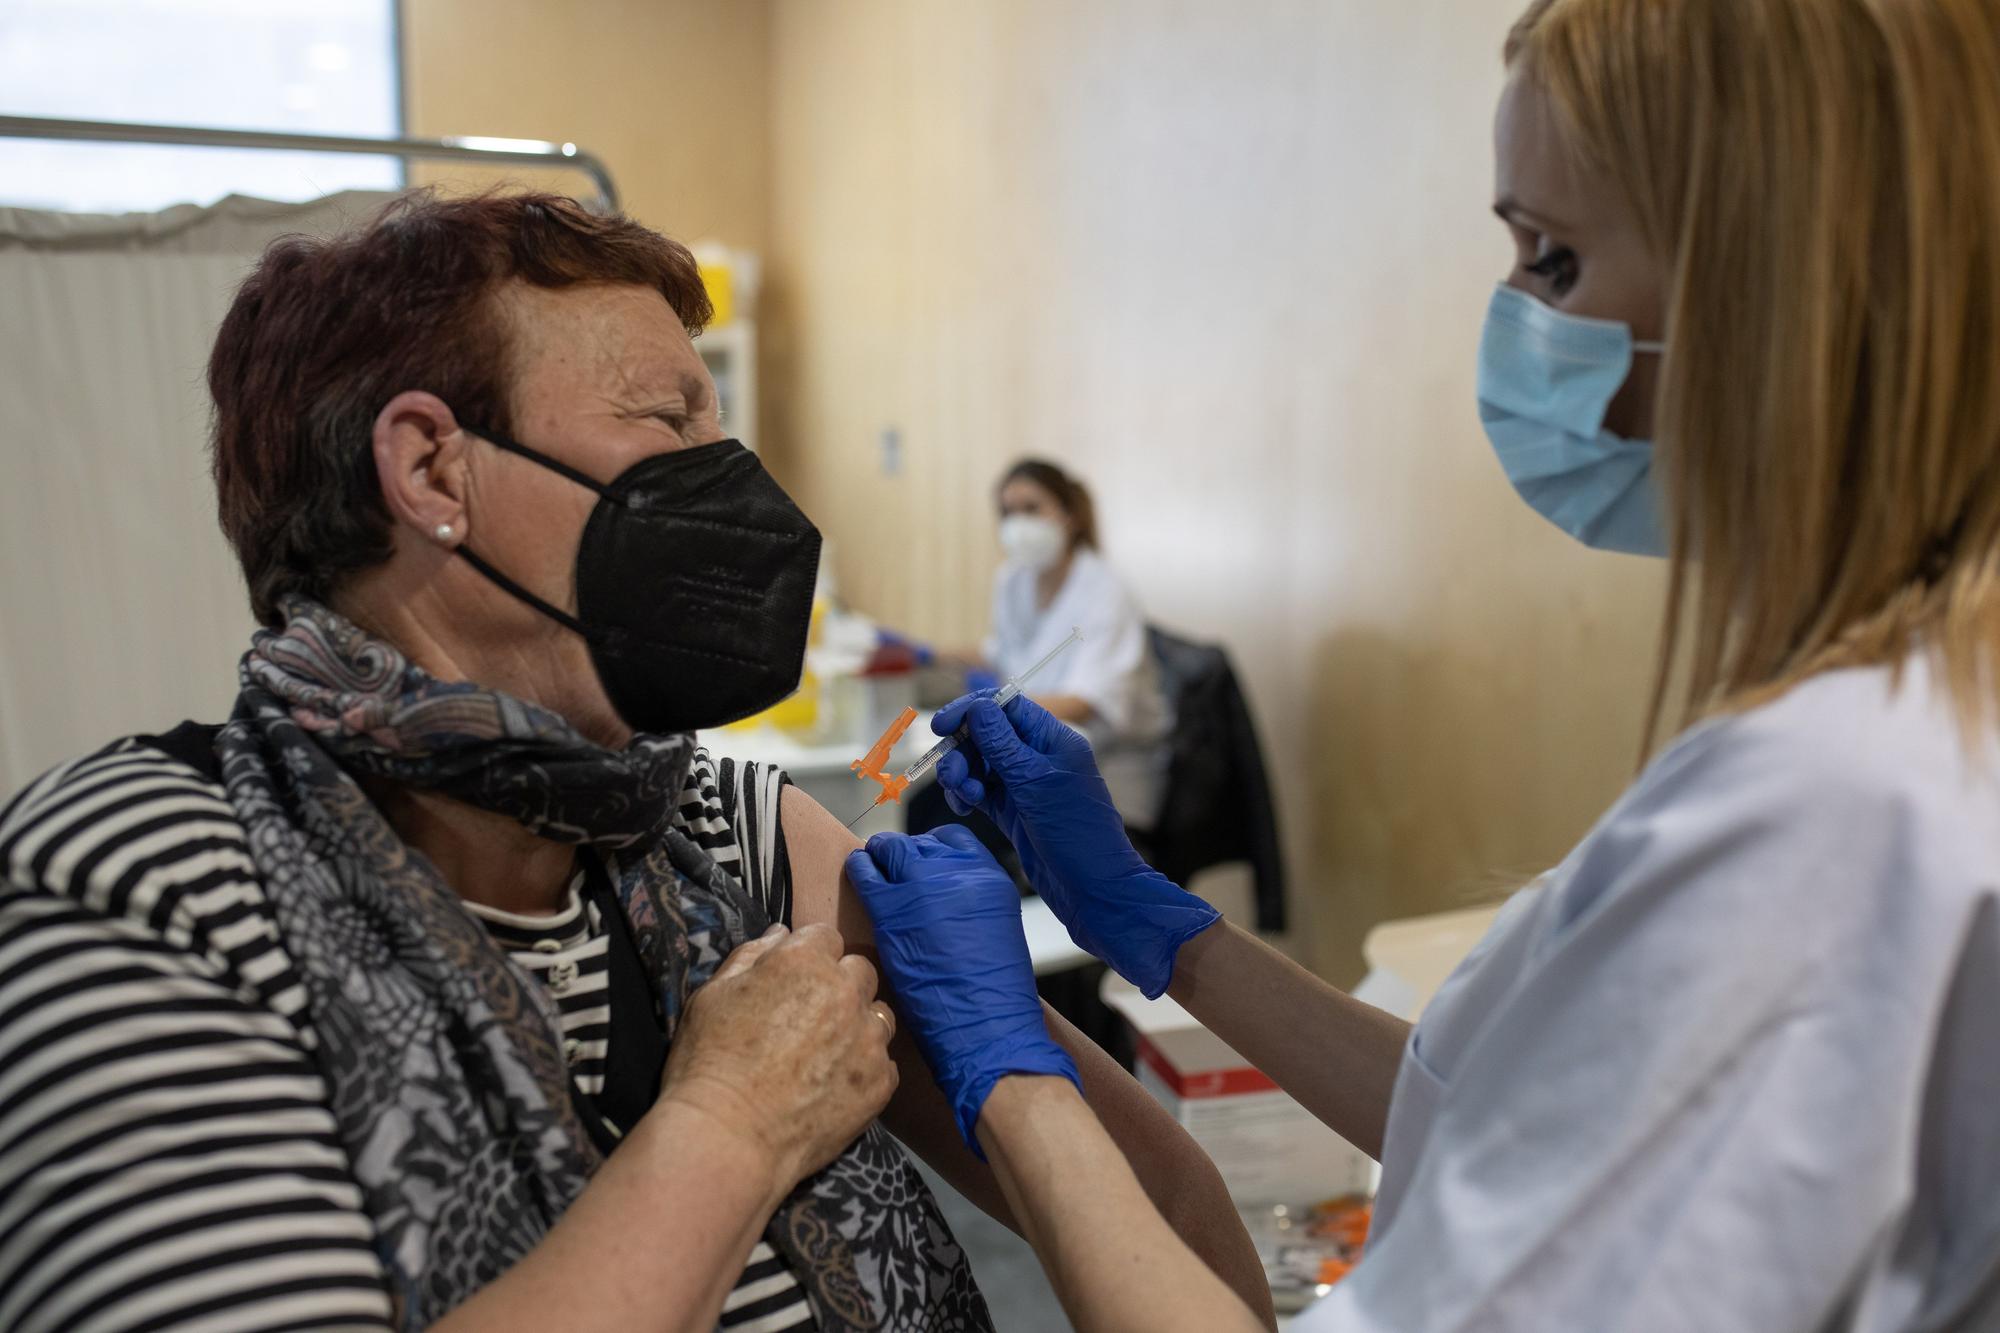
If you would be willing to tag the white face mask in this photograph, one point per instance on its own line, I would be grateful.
(1034, 541)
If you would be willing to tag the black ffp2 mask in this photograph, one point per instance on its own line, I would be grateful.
(694, 585)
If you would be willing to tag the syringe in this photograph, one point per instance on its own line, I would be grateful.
(1007, 694)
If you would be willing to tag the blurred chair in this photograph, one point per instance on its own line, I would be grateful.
(1216, 807)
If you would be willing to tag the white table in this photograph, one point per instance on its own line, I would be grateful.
(823, 773)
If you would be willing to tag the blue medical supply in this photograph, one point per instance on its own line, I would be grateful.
(922, 652)
(1037, 779)
(948, 933)
(1546, 380)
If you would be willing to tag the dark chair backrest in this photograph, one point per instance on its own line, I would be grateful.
(1217, 805)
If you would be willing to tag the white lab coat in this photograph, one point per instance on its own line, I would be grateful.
(1735, 1064)
(1112, 669)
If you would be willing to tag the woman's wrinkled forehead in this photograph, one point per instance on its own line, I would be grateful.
(619, 344)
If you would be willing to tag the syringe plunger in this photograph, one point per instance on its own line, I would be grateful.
(1006, 695)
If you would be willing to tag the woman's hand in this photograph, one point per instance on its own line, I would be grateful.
(948, 929)
(787, 1047)
(1037, 779)
(780, 1062)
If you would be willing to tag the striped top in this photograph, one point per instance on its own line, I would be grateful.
(168, 1157)
(567, 953)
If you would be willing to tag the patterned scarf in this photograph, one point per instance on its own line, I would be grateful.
(443, 1058)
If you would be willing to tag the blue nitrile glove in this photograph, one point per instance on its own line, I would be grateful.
(948, 931)
(922, 652)
(1037, 779)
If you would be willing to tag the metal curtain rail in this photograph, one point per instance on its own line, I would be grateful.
(459, 148)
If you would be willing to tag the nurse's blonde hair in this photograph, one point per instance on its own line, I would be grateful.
(1823, 179)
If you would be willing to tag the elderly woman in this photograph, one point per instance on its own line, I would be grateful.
(448, 983)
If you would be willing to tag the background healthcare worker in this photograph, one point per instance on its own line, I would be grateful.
(1055, 578)
(1735, 1064)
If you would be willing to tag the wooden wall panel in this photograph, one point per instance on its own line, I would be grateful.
(673, 94)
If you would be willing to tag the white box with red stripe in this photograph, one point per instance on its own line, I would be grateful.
(1269, 1149)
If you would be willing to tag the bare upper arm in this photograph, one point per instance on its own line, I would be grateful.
(816, 845)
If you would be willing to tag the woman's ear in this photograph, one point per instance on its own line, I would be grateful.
(420, 457)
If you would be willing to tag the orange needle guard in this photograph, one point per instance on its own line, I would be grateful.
(874, 765)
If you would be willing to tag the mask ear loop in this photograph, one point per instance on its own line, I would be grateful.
(555, 465)
(506, 584)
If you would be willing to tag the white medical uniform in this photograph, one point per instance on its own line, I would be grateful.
(1111, 669)
(1735, 1064)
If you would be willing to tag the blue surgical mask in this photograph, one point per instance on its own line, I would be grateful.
(1545, 382)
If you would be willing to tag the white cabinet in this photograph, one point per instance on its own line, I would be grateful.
(731, 353)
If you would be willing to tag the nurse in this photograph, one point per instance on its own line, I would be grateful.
(1734, 1064)
(1054, 579)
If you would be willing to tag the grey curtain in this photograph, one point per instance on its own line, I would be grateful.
(121, 608)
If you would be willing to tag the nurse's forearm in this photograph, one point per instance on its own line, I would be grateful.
(1337, 1055)
(1068, 707)
(1112, 1259)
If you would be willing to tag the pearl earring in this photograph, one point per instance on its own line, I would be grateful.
(443, 532)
